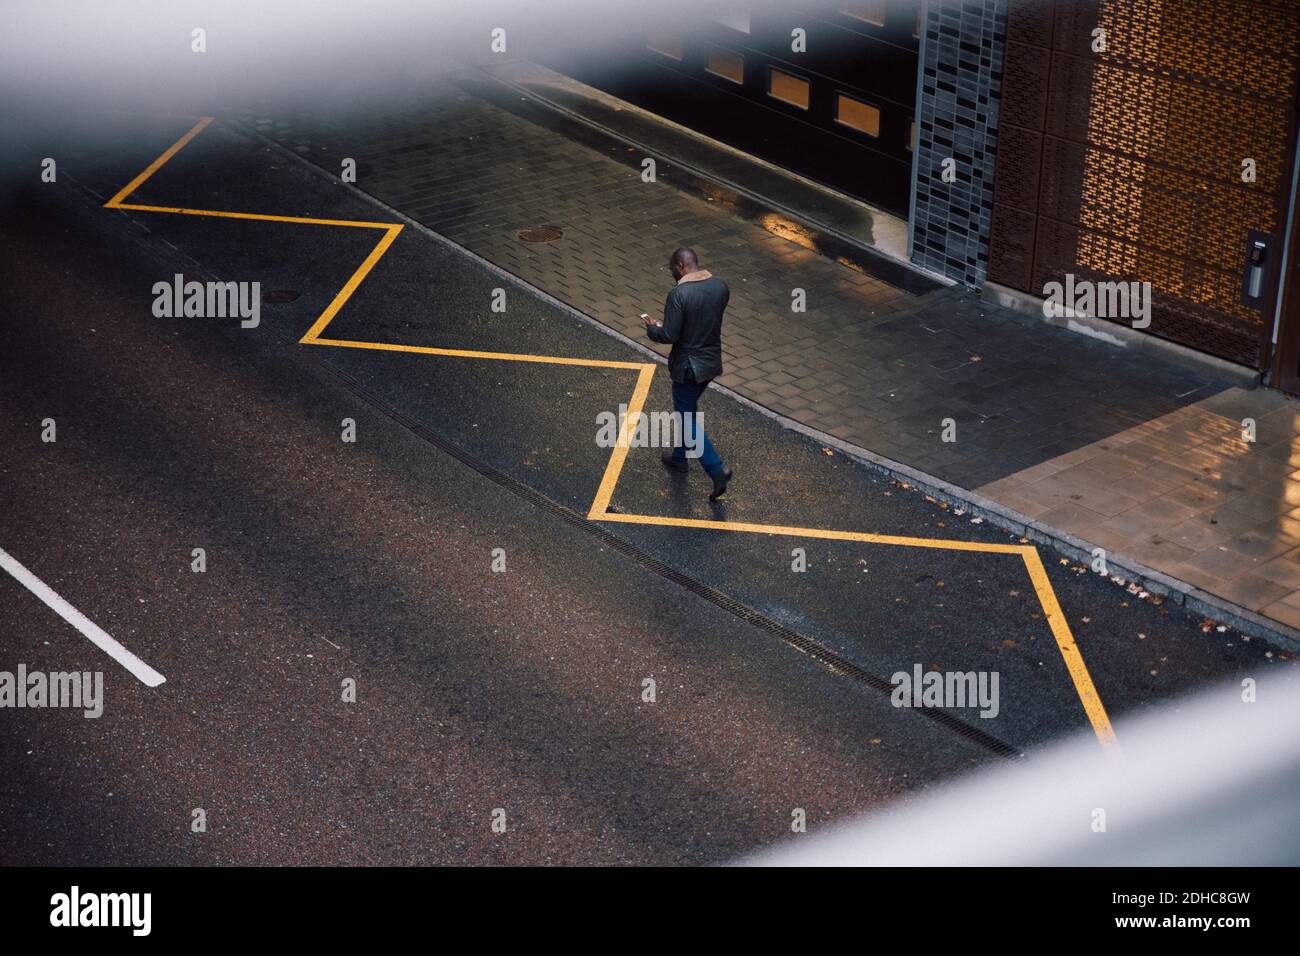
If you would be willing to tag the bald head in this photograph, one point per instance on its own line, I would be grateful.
(683, 262)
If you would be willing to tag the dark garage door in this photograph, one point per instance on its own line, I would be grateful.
(840, 113)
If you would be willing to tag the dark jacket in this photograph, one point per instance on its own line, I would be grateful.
(693, 326)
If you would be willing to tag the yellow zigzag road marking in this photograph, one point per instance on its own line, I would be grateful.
(645, 372)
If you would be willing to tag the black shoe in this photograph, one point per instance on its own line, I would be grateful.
(674, 464)
(720, 484)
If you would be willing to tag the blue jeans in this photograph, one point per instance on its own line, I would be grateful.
(686, 402)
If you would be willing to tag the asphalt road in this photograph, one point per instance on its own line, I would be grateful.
(477, 690)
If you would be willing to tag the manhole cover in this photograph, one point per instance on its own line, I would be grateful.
(541, 234)
(279, 297)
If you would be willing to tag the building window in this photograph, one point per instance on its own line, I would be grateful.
(787, 88)
(856, 114)
(728, 65)
(872, 11)
(911, 134)
(667, 44)
(736, 17)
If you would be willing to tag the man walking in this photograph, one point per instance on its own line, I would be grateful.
(693, 326)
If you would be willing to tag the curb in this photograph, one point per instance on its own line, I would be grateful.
(1176, 592)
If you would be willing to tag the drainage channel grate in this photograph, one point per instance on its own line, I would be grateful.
(818, 651)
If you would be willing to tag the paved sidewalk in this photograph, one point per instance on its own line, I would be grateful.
(1186, 495)
(1124, 450)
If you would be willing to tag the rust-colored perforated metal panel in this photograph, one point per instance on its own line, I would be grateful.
(1017, 170)
(1030, 21)
(1246, 47)
(1139, 170)
(1011, 232)
(1171, 210)
(1197, 316)
(1025, 74)
(1200, 131)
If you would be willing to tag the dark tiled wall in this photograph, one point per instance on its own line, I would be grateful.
(960, 83)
